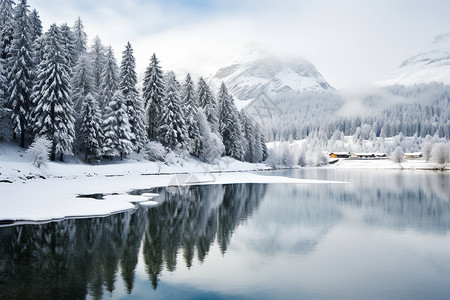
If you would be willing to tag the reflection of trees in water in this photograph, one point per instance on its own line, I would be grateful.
(394, 199)
(190, 219)
(68, 259)
(75, 258)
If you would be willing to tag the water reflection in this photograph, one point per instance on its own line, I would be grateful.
(74, 258)
(97, 257)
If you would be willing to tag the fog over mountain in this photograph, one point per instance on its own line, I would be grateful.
(430, 65)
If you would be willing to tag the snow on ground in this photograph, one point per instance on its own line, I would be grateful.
(56, 198)
(52, 192)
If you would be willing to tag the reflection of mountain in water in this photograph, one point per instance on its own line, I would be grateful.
(74, 258)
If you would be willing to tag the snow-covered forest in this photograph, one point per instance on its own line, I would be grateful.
(75, 97)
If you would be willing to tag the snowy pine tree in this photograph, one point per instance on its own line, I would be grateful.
(2, 85)
(189, 105)
(36, 25)
(80, 38)
(68, 43)
(116, 128)
(153, 93)
(211, 147)
(20, 73)
(91, 135)
(82, 81)
(207, 102)
(172, 133)
(109, 80)
(229, 125)
(97, 56)
(52, 105)
(6, 27)
(128, 82)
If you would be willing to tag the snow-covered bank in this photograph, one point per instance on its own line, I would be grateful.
(16, 165)
(53, 199)
(409, 164)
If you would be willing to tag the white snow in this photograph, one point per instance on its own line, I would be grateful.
(56, 198)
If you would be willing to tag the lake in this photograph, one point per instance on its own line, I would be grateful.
(383, 235)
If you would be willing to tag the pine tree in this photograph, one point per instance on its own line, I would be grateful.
(97, 55)
(172, 133)
(81, 86)
(80, 38)
(207, 102)
(6, 37)
(20, 74)
(189, 105)
(116, 128)
(128, 82)
(258, 152)
(68, 44)
(6, 27)
(36, 25)
(249, 132)
(2, 85)
(90, 138)
(229, 125)
(82, 82)
(109, 79)
(153, 93)
(211, 146)
(53, 109)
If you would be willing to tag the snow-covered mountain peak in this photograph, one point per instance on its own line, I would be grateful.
(255, 71)
(431, 65)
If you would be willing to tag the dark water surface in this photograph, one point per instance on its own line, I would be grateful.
(385, 235)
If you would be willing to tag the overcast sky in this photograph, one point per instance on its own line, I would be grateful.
(351, 42)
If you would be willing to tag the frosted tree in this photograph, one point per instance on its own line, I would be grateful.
(90, 137)
(426, 150)
(6, 27)
(20, 73)
(36, 25)
(189, 105)
(398, 156)
(211, 147)
(128, 82)
(207, 102)
(80, 38)
(265, 151)
(68, 43)
(97, 56)
(248, 132)
(258, 154)
(153, 93)
(441, 154)
(52, 105)
(229, 125)
(82, 82)
(109, 80)
(40, 151)
(117, 129)
(172, 133)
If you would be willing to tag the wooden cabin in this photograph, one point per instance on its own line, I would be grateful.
(414, 155)
(339, 154)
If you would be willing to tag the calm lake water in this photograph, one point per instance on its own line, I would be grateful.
(385, 235)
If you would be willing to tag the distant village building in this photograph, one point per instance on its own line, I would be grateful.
(414, 155)
(339, 154)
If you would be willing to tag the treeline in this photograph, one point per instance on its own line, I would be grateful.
(419, 110)
(53, 87)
